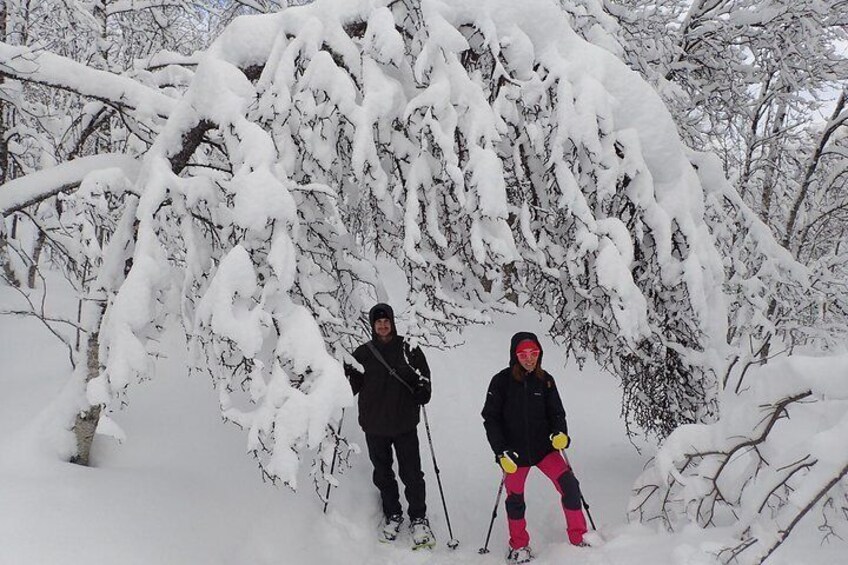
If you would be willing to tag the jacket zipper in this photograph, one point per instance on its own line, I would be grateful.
(526, 423)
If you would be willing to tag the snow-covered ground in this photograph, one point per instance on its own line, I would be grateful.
(180, 490)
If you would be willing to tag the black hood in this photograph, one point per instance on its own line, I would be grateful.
(516, 339)
(386, 312)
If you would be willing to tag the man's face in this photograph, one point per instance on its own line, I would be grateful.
(383, 327)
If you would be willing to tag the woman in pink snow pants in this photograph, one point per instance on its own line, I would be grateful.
(525, 425)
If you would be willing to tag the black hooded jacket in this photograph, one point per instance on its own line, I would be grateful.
(520, 415)
(386, 406)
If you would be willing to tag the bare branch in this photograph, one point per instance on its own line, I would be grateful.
(39, 315)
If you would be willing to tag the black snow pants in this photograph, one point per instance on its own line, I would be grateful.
(409, 469)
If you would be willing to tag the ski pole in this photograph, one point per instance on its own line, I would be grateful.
(333, 463)
(453, 543)
(485, 549)
(582, 499)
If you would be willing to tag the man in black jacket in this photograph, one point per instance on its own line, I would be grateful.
(393, 383)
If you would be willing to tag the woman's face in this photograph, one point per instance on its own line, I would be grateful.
(528, 359)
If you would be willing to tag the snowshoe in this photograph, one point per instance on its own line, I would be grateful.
(422, 535)
(591, 539)
(520, 555)
(391, 529)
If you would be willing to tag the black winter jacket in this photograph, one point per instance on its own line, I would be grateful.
(520, 416)
(386, 406)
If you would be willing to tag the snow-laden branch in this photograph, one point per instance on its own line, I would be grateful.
(49, 69)
(273, 349)
(162, 59)
(35, 187)
(763, 466)
(759, 271)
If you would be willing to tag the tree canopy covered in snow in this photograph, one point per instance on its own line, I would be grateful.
(472, 146)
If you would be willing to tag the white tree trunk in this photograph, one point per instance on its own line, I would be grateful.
(85, 425)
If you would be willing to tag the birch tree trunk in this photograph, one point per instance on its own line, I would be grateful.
(5, 261)
(111, 275)
(85, 425)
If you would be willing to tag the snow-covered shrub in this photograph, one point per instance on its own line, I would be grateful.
(779, 451)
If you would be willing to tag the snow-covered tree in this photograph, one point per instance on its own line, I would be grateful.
(87, 85)
(489, 150)
(486, 155)
(51, 121)
(748, 81)
(751, 81)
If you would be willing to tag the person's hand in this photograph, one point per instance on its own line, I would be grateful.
(560, 441)
(422, 392)
(507, 462)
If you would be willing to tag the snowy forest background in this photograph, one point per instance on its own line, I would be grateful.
(667, 181)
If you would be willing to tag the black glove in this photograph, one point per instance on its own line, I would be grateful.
(421, 392)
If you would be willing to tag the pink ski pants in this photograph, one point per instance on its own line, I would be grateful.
(558, 471)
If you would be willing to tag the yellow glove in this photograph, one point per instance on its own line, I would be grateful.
(560, 441)
(507, 463)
